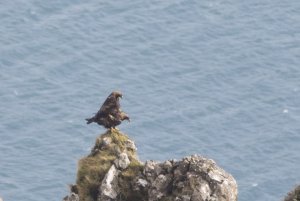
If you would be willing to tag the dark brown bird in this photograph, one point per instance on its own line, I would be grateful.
(110, 114)
(116, 118)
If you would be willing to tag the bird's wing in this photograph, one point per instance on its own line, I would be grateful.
(111, 117)
(109, 104)
(123, 116)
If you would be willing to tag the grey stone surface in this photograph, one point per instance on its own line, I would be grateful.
(193, 178)
(109, 187)
(122, 161)
(130, 145)
(71, 197)
(142, 182)
(106, 141)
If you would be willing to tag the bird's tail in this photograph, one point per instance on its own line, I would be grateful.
(90, 120)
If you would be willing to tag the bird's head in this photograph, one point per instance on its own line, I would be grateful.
(117, 94)
(125, 117)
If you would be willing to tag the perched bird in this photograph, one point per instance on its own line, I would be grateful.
(110, 115)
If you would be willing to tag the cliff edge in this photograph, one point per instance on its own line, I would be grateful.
(113, 172)
(294, 195)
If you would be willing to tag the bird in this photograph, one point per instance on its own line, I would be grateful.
(110, 115)
(116, 118)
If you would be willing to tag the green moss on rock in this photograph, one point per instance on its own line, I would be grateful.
(126, 180)
(93, 168)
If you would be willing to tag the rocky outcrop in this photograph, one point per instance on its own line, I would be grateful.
(112, 172)
(108, 172)
(193, 178)
(71, 197)
(294, 195)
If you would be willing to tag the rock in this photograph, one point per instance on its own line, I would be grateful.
(109, 187)
(71, 197)
(73, 194)
(122, 161)
(130, 145)
(112, 172)
(294, 195)
(193, 178)
(159, 187)
(150, 170)
(167, 166)
(106, 141)
(183, 198)
(110, 148)
(142, 182)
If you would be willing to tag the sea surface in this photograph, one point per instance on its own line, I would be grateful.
(219, 78)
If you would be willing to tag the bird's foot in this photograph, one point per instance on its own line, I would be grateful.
(112, 129)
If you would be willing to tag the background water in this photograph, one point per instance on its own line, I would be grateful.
(220, 78)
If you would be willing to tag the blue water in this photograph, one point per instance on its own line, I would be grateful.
(220, 78)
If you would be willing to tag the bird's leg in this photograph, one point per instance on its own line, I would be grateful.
(112, 129)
